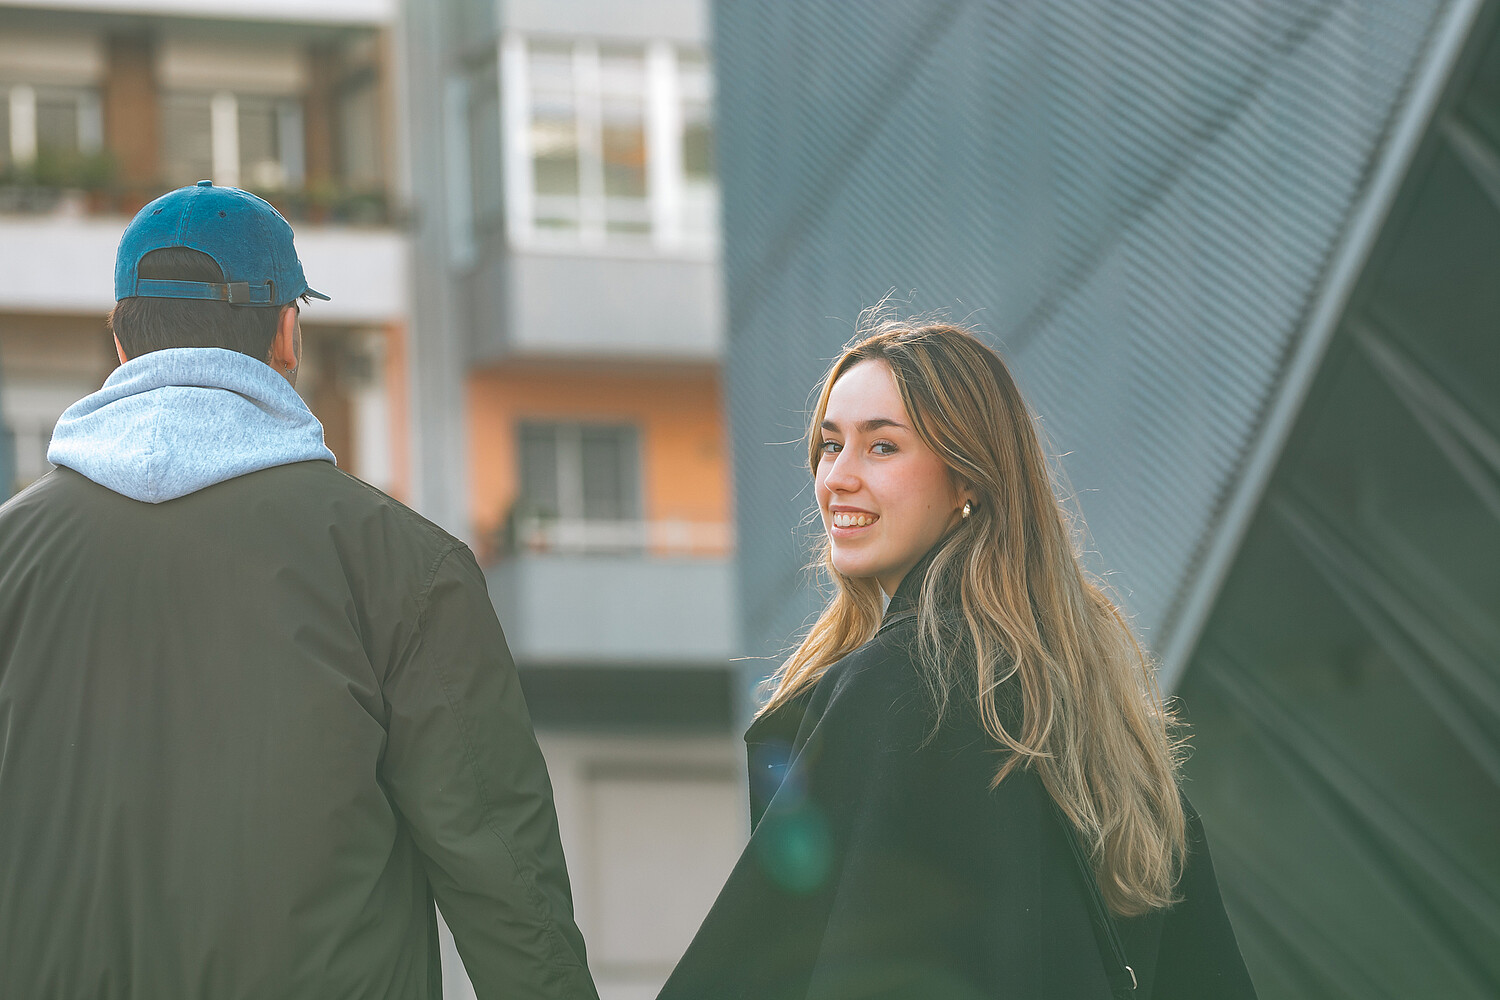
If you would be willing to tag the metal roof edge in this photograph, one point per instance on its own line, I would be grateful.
(1348, 262)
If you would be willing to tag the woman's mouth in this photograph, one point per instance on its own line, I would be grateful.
(852, 519)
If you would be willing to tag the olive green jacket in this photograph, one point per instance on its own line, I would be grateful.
(248, 736)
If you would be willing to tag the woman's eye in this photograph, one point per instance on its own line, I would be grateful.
(830, 447)
(883, 448)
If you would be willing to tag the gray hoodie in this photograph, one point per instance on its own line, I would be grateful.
(169, 423)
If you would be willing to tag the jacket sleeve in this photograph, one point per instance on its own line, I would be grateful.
(464, 769)
(1198, 955)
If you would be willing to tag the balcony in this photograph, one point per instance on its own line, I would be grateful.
(361, 12)
(64, 261)
(626, 593)
(543, 303)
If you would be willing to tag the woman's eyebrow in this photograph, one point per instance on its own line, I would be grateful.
(866, 426)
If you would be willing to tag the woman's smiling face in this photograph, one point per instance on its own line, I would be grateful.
(886, 498)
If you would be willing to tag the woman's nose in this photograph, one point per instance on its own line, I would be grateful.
(841, 477)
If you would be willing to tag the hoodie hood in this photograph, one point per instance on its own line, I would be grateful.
(171, 422)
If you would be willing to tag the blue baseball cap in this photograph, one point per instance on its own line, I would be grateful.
(246, 237)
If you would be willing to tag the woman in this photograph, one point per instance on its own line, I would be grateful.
(949, 794)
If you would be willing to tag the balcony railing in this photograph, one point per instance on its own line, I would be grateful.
(25, 195)
(68, 267)
(615, 608)
(596, 537)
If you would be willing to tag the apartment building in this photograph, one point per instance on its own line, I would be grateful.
(104, 104)
(571, 420)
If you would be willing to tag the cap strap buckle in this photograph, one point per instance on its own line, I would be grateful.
(233, 292)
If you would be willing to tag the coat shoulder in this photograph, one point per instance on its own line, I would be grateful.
(351, 489)
(886, 665)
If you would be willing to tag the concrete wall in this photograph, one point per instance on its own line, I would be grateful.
(561, 304)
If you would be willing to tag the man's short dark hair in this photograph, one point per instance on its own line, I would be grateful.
(146, 324)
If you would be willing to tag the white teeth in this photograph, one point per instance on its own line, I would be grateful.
(846, 520)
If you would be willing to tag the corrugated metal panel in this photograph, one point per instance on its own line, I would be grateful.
(1138, 200)
(1345, 694)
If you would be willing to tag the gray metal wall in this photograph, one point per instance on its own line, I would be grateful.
(1345, 696)
(1142, 203)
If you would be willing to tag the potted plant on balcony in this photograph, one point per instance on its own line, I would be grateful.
(57, 178)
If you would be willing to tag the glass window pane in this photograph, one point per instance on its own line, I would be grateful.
(57, 119)
(186, 139)
(260, 147)
(697, 146)
(538, 471)
(359, 135)
(610, 474)
(622, 107)
(554, 134)
(4, 127)
(622, 80)
(698, 182)
(554, 142)
(697, 123)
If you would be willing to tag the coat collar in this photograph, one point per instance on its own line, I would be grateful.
(903, 603)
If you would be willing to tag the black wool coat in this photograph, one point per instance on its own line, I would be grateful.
(882, 865)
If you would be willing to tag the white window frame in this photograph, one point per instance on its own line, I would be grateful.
(24, 143)
(665, 181)
(224, 138)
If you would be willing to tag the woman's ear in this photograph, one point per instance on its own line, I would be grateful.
(964, 491)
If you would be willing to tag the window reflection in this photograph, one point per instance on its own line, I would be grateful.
(622, 86)
(554, 136)
(595, 116)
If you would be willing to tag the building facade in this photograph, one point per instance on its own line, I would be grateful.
(104, 105)
(568, 409)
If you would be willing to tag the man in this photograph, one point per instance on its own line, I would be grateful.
(254, 714)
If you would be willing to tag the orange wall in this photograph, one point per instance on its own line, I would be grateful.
(684, 451)
(397, 380)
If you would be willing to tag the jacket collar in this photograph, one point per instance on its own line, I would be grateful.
(903, 603)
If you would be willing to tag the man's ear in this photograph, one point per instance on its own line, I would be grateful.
(120, 351)
(284, 346)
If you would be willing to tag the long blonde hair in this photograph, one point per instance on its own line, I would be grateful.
(1007, 614)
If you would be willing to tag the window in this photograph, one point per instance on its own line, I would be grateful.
(187, 138)
(270, 142)
(607, 144)
(554, 131)
(359, 150)
(622, 142)
(6, 157)
(579, 472)
(248, 140)
(700, 193)
(46, 126)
